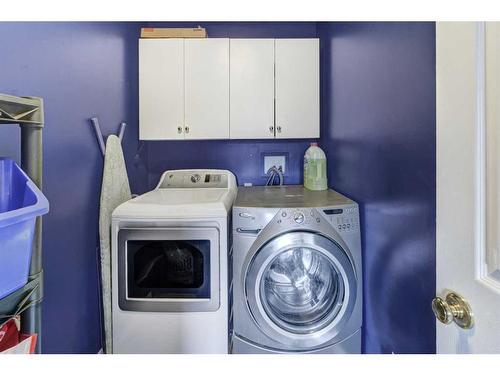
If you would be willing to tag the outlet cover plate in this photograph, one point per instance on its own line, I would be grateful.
(274, 160)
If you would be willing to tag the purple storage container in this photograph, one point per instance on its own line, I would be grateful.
(20, 203)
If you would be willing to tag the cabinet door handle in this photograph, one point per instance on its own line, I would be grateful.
(186, 129)
(179, 129)
(279, 129)
(271, 129)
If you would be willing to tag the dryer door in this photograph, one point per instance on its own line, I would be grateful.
(301, 289)
(174, 269)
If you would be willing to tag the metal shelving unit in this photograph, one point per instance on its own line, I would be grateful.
(27, 112)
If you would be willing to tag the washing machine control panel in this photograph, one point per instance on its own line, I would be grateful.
(343, 219)
(299, 216)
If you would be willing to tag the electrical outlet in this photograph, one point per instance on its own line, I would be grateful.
(274, 160)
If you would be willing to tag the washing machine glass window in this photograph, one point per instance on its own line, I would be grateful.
(168, 269)
(301, 288)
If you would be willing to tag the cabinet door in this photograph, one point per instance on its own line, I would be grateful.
(161, 89)
(206, 64)
(297, 88)
(252, 88)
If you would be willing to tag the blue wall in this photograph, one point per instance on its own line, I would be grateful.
(378, 101)
(90, 69)
(378, 131)
(81, 70)
(243, 157)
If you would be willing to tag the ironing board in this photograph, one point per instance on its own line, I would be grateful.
(115, 190)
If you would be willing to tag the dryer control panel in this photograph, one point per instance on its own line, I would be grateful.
(197, 178)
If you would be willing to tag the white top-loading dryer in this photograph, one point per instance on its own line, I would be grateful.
(170, 265)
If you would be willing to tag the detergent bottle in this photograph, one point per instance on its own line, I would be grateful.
(315, 168)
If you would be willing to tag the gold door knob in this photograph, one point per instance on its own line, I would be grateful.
(453, 308)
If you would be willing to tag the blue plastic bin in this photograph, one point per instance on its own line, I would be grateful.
(20, 203)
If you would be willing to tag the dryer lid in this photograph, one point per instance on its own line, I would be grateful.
(180, 194)
(178, 203)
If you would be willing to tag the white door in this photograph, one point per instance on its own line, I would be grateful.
(297, 88)
(252, 88)
(468, 181)
(206, 63)
(161, 89)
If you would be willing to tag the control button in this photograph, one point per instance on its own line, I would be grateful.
(348, 225)
(317, 220)
(279, 221)
(340, 227)
(195, 178)
(298, 217)
(343, 226)
(283, 214)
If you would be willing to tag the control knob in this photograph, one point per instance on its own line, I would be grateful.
(298, 217)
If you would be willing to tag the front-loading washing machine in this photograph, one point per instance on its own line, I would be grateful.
(170, 291)
(297, 284)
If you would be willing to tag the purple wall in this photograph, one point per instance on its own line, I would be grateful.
(378, 100)
(242, 157)
(378, 132)
(90, 69)
(81, 70)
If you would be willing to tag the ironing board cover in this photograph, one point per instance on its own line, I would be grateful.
(114, 191)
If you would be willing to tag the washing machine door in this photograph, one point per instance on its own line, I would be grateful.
(301, 289)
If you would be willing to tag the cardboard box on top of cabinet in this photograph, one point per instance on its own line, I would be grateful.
(171, 32)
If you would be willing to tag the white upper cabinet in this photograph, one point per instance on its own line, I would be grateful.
(161, 88)
(206, 75)
(297, 88)
(252, 88)
(220, 89)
